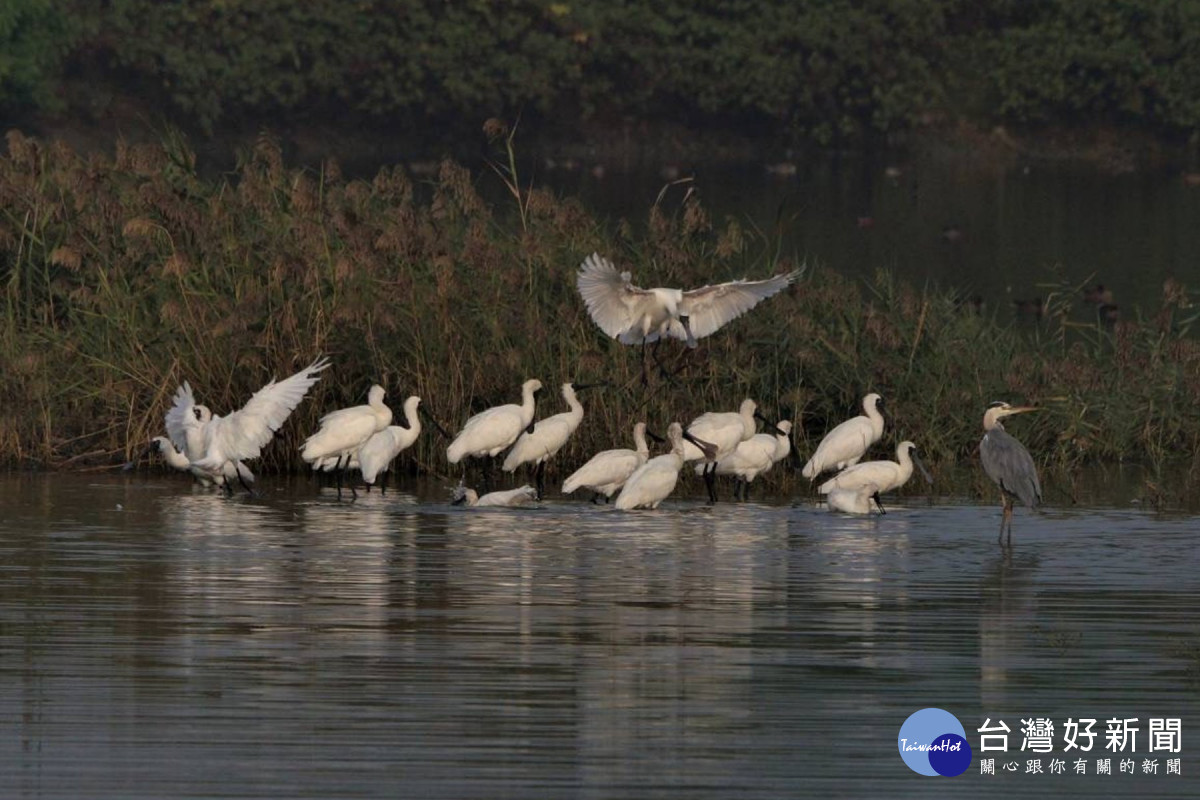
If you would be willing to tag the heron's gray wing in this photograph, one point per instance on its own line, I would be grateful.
(1008, 463)
(710, 307)
(609, 296)
(178, 416)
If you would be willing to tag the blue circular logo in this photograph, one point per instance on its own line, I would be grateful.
(933, 742)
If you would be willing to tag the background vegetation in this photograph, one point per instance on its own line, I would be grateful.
(823, 70)
(122, 276)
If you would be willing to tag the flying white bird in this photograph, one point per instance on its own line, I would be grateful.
(607, 471)
(755, 456)
(848, 442)
(724, 431)
(216, 446)
(344, 431)
(633, 315)
(874, 478)
(487, 433)
(653, 481)
(547, 437)
(523, 496)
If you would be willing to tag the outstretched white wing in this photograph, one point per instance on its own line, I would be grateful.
(609, 296)
(242, 434)
(710, 307)
(179, 415)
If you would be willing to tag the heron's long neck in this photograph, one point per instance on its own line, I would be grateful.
(991, 422)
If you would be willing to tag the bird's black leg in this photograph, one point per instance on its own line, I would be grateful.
(645, 377)
(539, 478)
(383, 479)
(242, 480)
(878, 504)
(337, 467)
(1006, 519)
(487, 474)
(710, 481)
(595, 497)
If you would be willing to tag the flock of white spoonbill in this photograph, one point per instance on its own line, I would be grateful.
(214, 449)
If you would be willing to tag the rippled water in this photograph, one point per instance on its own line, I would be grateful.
(158, 641)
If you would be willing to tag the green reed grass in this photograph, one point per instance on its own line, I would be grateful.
(124, 275)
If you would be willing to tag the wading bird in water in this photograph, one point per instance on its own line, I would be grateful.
(216, 446)
(633, 315)
(344, 431)
(853, 489)
(606, 472)
(547, 437)
(653, 481)
(848, 442)
(1008, 463)
(490, 431)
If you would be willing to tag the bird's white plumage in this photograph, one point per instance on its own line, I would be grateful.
(216, 446)
(756, 455)
(343, 432)
(883, 476)
(548, 435)
(650, 483)
(174, 458)
(849, 441)
(636, 316)
(607, 471)
(490, 431)
(725, 430)
(852, 501)
(377, 453)
(521, 496)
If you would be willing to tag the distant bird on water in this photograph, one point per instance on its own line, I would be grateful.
(848, 442)
(633, 315)
(1008, 463)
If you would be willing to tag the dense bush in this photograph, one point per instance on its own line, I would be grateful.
(828, 70)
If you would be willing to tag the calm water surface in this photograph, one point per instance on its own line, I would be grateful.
(158, 641)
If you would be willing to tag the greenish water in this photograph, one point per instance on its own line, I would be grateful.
(160, 641)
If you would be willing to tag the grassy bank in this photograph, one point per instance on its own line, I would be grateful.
(123, 275)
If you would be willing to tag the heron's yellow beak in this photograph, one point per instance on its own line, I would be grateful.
(1008, 412)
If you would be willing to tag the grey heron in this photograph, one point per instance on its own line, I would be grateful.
(1008, 463)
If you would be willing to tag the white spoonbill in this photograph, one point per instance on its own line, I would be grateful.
(724, 430)
(633, 315)
(224, 442)
(876, 477)
(755, 456)
(377, 453)
(607, 471)
(522, 496)
(487, 433)
(653, 481)
(547, 437)
(1008, 463)
(343, 431)
(186, 424)
(848, 442)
